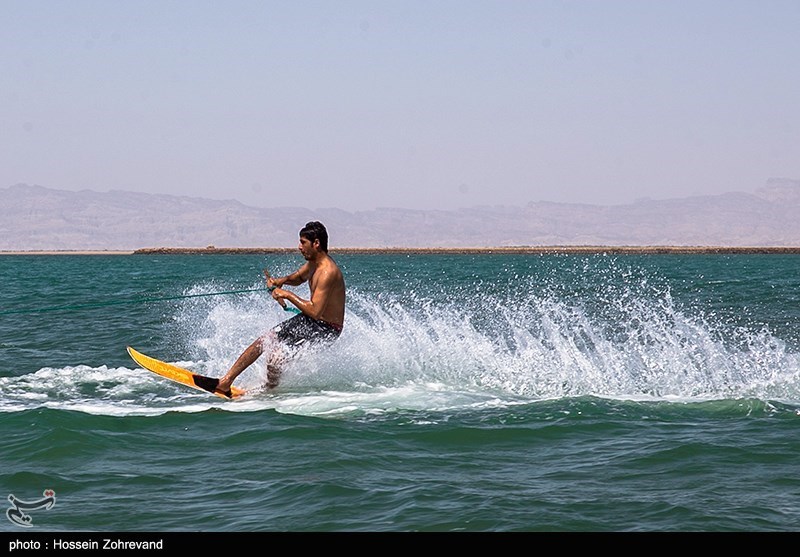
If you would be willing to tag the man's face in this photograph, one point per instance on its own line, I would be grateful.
(308, 248)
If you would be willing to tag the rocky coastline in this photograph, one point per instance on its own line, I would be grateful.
(489, 250)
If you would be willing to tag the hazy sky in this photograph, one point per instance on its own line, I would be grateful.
(418, 104)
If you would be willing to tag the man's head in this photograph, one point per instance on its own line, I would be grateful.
(313, 231)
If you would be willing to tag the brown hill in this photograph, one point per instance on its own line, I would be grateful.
(38, 218)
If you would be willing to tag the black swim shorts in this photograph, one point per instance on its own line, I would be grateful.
(301, 329)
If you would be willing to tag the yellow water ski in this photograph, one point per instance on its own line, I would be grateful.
(182, 376)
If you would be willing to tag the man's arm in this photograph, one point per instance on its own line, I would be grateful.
(315, 307)
(295, 279)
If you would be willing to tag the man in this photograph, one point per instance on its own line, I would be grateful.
(321, 318)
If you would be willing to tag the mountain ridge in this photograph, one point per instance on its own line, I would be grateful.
(34, 218)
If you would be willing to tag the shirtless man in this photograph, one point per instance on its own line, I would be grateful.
(321, 318)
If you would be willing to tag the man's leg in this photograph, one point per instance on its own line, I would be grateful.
(274, 366)
(244, 361)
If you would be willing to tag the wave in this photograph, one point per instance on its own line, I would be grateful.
(603, 331)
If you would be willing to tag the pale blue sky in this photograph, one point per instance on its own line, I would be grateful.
(417, 104)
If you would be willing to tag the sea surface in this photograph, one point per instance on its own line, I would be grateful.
(473, 393)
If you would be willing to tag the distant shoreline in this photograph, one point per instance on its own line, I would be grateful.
(211, 250)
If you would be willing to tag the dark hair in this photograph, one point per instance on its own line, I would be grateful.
(315, 230)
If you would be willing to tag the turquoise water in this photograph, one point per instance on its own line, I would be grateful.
(467, 393)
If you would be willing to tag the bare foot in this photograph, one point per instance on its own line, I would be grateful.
(224, 387)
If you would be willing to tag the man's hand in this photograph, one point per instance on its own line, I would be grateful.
(273, 287)
(272, 284)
